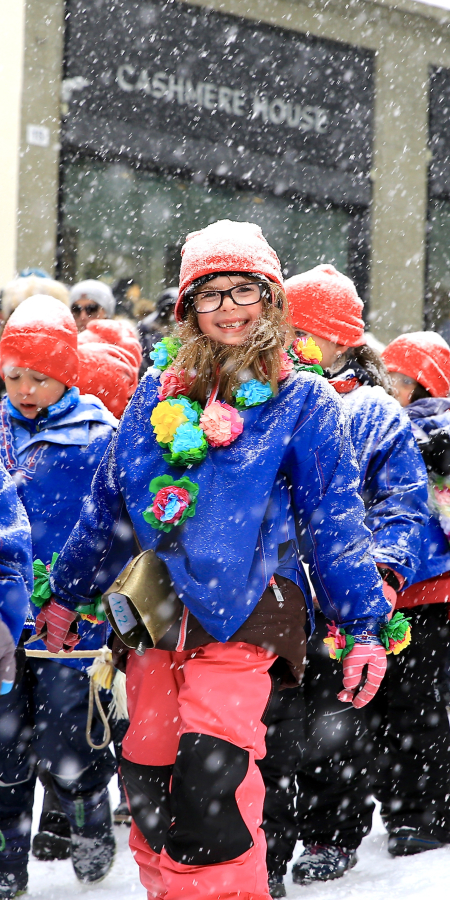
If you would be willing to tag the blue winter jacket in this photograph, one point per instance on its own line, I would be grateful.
(16, 572)
(393, 477)
(431, 414)
(293, 465)
(52, 460)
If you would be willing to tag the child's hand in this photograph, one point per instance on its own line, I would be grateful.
(374, 657)
(56, 620)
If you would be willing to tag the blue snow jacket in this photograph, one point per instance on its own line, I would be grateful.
(293, 466)
(431, 414)
(16, 571)
(52, 460)
(393, 477)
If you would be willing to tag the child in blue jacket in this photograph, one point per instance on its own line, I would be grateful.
(16, 576)
(330, 763)
(51, 443)
(217, 464)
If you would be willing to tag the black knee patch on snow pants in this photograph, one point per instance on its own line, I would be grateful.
(199, 822)
(207, 824)
(147, 789)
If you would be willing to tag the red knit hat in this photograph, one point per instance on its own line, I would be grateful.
(118, 332)
(424, 356)
(41, 335)
(226, 246)
(109, 373)
(324, 302)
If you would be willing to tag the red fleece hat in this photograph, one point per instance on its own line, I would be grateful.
(41, 335)
(226, 246)
(424, 356)
(324, 302)
(118, 332)
(109, 373)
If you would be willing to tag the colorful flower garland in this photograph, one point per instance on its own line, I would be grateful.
(185, 431)
(395, 636)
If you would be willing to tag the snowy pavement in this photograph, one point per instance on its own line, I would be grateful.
(376, 876)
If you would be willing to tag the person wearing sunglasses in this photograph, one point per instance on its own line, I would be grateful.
(90, 300)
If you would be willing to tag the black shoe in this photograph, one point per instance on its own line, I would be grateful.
(322, 862)
(52, 841)
(12, 885)
(92, 857)
(406, 841)
(122, 815)
(276, 886)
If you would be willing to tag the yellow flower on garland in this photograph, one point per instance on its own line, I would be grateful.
(166, 418)
(311, 351)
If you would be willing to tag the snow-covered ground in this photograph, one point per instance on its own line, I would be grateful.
(376, 877)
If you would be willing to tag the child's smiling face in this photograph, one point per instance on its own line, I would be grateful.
(231, 323)
(30, 392)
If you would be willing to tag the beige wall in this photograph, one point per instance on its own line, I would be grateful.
(38, 181)
(11, 66)
(407, 37)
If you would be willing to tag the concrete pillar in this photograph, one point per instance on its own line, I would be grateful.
(12, 22)
(39, 156)
(399, 207)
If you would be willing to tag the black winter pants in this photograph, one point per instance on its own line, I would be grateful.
(397, 748)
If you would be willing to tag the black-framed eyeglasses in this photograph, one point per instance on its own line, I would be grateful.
(242, 295)
(91, 309)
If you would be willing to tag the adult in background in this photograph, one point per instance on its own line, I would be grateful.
(91, 299)
(157, 325)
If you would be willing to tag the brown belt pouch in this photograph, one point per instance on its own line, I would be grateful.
(141, 605)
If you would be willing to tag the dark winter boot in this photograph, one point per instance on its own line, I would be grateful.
(406, 841)
(276, 886)
(92, 839)
(14, 847)
(322, 862)
(52, 841)
(122, 815)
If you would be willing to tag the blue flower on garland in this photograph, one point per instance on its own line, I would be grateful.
(189, 408)
(159, 355)
(187, 437)
(252, 393)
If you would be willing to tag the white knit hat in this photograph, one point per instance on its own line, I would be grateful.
(97, 291)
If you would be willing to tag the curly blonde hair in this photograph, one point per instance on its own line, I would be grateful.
(202, 360)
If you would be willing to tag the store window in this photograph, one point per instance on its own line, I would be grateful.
(122, 222)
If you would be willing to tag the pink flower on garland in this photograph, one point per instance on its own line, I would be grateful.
(171, 383)
(221, 423)
(170, 503)
(286, 365)
(335, 641)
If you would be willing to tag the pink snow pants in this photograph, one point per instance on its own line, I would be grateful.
(218, 694)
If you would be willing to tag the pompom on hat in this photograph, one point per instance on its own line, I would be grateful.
(118, 332)
(109, 373)
(424, 356)
(225, 246)
(41, 335)
(324, 302)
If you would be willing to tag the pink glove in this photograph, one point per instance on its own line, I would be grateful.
(372, 655)
(58, 620)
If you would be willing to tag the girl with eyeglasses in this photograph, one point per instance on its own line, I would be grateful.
(221, 460)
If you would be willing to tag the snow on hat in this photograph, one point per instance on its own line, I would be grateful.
(424, 356)
(19, 289)
(119, 332)
(41, 335)
(226, 246)
(109, 373)
(96, 291)
(324, 302)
